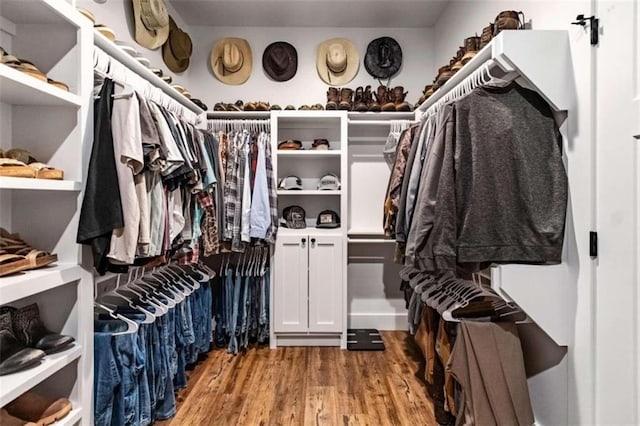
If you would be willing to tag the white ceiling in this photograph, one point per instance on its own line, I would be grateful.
(310, 13)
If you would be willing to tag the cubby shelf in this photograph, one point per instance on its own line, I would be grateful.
(309, 153)
(39, 184)
(26, 283)
(307, 192)
(19, 88)
(14, 385)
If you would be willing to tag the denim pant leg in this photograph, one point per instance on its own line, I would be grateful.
(125, 395)
(233, 326)
(106, 377)
(208, 317)
(245, 326)
(143, 377)
(166, 407)
(217, 307)
(180, 379)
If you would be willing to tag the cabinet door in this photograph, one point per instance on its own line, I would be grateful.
(290, 286)
(325, 284)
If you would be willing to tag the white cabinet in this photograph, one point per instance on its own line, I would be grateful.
(308, 294)
(54, 125)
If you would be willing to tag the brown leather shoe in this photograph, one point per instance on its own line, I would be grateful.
(444, 74)
(332, 98)
(471, 47)
(38, 409)
(398, 96)
(7, 419)
(359, 103)
(457, 63)
(384, 99)
(508, 20)
(346, 99)
(486, 36)
(372, 103)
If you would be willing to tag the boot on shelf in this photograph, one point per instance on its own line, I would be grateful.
(332, 98)
(372, 103)
(428, 91)
(346, 99)
(398, 96)
(359, 103)
(384, 100)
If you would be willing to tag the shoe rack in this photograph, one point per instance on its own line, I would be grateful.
(55, 126)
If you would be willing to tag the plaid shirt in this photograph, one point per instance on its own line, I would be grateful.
(208, 224)
(242, 139)
(273, 195)
(231, 194)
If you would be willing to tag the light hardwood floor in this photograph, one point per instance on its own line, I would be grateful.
(308, 386)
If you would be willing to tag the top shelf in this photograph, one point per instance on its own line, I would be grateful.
(39, 12)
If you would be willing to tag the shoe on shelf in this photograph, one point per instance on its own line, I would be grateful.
(250, 106)
(12, 263)
(42, 411)
(471, 47)
(486, 36)
(31, 331)
(333, 98)
(398, 96)
(13, 244)
(39, 169)
(384, 100)
(14, 355)
(7, 419)
(304, 108)
(289, 108)
(359, 103)
(346, 99)
(262, 106)
(219, 107)
(276, 107)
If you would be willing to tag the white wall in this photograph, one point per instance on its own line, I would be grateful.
(305, 87)
(462, 19)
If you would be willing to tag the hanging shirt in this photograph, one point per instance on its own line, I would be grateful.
(173, 158)
(101, 210)
(260, 214)
(125, 125)
(272, 232)
(246, 190)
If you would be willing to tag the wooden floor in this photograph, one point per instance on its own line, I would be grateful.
(308, 386)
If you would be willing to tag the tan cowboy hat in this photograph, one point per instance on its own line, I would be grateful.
(337, 61)
(231, 60)
(151, 23)
(178, 48)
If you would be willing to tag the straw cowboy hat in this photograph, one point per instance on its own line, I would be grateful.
(337, 61)
(231, 60)
(177, 50)
(151, 23)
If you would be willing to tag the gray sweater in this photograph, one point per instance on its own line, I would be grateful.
(502, 192)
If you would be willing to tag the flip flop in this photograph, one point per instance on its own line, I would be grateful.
(44, 171)
(14, 168)
(40, 170)
(14, 245)
(58, 84)
(12, 263)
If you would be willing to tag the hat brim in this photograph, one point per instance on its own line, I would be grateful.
(353, 62)
(215, 60)
(143, 36)
(174, 64)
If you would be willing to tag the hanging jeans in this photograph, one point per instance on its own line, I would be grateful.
(106, 378)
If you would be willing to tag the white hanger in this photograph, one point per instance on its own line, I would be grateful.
(132, 326)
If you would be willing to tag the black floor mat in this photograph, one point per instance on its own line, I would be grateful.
(364, 339)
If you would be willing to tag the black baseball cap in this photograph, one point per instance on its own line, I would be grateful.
(328, 219)
(294, 217)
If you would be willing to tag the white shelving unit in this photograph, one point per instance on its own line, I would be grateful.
(309, 296)
(55, 126)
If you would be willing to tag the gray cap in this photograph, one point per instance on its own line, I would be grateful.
(329, 182)
(290, 182)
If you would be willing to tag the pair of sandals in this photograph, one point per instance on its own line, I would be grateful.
(20, 163)
(29, 68)
(17, 256)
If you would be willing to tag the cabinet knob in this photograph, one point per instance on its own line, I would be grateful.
(313, 242)
(304, 241)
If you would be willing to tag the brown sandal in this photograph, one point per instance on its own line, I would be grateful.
(12, 263)
(14, 245)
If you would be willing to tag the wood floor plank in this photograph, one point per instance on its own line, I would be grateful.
(307, 386)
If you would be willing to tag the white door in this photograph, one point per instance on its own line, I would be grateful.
(325, 284)
(291, 284)
(618, 212)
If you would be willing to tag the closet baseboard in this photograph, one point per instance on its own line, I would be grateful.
(380, 321)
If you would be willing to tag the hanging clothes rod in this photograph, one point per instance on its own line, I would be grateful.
(115, 52)
(378, 122)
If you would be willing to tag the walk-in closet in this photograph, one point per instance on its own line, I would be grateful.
(358, 212)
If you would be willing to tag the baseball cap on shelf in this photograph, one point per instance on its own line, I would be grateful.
(294, 217)
(328, 219)
(290, 182)
(320, 144)
(329, 182)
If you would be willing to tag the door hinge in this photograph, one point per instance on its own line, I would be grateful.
(594, 26)
(593, 244)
